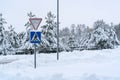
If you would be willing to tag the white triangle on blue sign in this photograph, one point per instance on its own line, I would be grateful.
(35, 37)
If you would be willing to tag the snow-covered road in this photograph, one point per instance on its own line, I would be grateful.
(7, 60)
(77, 65)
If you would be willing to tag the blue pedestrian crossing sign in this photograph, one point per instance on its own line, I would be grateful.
(35, 37)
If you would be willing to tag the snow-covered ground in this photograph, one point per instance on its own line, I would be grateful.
(77, 65)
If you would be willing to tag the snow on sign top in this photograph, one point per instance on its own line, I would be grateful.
(35, 22)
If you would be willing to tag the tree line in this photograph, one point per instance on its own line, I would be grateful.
(75, 37)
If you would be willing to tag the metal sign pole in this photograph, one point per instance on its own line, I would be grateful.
(57, 29)
(35, 56)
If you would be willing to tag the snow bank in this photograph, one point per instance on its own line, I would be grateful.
(77, 65)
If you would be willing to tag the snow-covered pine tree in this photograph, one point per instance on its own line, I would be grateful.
(14, 38)
(64, 38)
(21, 36)
(11, 41)
(2, 29)
(78, 32)
(71, 41)
(117, 30)
(26, 43)
(64, 35)
(84, 36)
(73, 30)
(49, 31)
(102, 37)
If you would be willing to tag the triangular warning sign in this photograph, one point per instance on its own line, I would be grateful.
(35, 22)
(35, 37)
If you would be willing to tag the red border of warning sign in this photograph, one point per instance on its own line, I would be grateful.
(35, 19)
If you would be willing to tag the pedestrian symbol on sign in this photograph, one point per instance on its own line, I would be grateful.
(35, 37)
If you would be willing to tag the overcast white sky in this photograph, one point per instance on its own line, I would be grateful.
(71, 11)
